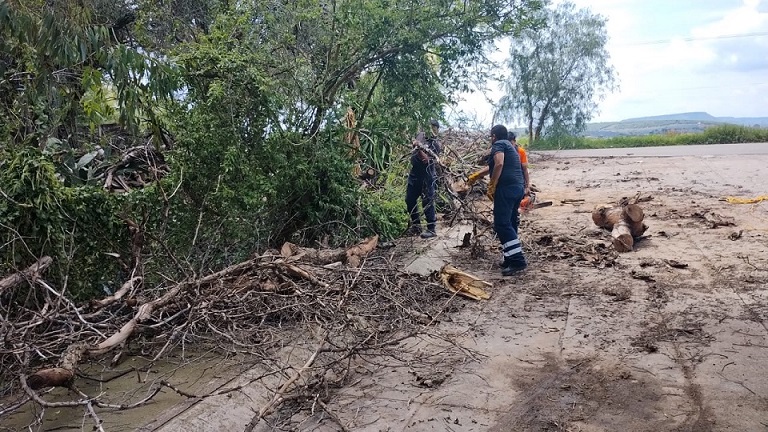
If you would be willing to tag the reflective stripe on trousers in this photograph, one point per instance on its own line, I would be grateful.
(505, 204)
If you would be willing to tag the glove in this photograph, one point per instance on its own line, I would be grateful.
(473, 178)
(491, 190)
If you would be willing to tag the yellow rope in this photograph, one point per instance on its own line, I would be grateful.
(737, 200)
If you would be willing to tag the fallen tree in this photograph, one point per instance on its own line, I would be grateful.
(364, 304)
(64, 373)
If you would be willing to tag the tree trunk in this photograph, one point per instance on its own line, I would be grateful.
(625, 222)
(353, 141)
(351, 256)
(530, 121)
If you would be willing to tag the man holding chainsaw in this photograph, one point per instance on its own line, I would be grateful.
(422, 181)
(506, 190)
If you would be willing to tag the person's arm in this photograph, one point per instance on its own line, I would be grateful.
(421, 154)
(527, 178)
(498, 165)
(524, 164)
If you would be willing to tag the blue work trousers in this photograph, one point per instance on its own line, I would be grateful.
(421, 184)
(506, 220)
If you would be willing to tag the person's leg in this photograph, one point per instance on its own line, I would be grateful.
(428, 202)
(512, 250)
(412, 193)
(516, 216)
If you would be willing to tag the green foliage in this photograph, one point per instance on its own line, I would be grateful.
(54, 67)
(727, 134)
(76, 226)
(384, 208)
(724, 134)
(260, 151)
(557, 72)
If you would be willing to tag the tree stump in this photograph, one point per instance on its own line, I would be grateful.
(624, 222)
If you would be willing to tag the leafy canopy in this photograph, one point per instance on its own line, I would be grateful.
(256, 106)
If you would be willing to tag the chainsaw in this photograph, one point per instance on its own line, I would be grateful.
(529, 203)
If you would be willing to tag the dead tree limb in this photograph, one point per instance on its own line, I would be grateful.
(278, 399)
(30, 273)
(117, 296)
(352, 256)
(65, 372)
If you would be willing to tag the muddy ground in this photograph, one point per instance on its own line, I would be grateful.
(670, 337)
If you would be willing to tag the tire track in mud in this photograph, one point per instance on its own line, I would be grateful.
(702, 417)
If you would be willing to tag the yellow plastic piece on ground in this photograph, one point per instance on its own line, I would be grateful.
(464, 284)
(737, 200)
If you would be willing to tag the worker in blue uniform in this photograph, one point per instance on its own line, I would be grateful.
(506, 189)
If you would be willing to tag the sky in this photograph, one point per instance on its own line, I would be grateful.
(673, 56)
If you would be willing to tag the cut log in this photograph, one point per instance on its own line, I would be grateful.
(634, 212)
(369, 174)
(357, 253)
(625, 223)
(623, 241)
(62, 375)
(464, 284)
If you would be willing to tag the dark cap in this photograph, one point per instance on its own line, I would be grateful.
(499, 131)
(434, 123)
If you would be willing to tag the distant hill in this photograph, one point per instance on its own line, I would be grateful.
(695, 116)
(702, 116)
(677, 123)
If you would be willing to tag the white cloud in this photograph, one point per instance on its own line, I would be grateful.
(745, 19)
(681, 55)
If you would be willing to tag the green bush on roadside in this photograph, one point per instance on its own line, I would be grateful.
(723, 134)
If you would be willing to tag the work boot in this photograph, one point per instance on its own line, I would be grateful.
(414, 230)
(512, 269)
(428, 234)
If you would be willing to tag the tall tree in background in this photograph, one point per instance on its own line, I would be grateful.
(558, 73)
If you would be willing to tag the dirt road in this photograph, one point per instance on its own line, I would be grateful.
(683, 150)
(671, 337)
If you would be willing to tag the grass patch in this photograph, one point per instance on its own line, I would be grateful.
(723, 134)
